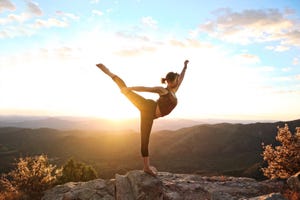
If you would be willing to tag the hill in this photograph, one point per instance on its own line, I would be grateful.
(91, 124)
(207, 149)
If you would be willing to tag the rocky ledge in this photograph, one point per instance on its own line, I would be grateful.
(136, 185)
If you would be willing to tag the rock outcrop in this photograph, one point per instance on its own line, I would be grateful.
(137, 185)
(294, 182)
(92, 190)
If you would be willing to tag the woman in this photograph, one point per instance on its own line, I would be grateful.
(150, 109)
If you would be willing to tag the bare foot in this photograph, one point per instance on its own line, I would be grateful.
(103, 68)
(151, 170)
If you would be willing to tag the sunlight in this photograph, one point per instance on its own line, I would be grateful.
(78, 87)
(61, 82)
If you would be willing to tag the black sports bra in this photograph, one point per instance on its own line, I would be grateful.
(167, 103)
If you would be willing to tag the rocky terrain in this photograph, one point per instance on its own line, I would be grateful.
(136, 185)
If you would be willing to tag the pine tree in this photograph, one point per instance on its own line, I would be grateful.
(283, 160)
(76, 171)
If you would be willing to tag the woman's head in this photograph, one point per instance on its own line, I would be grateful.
(170, 77)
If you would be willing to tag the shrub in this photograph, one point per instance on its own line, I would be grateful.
(283, 160)
(76, 171)
(32, 176)
(7, 190)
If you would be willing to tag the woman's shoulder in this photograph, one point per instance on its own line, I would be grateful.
(163, 91)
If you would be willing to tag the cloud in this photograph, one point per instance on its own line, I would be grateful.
(149, 22)
(16, 31)
(6, 5)
(4, 34)
(286, 69)
(132, 36)
(251, 26)
(135, 51)
(190, 43)
(295, 61)
(247, 58)
(34, 8)
(278, 48)
(286, 91)
(292, 37)
(11, 18)
(64, 52)
(26, 23)
(94, 1)
(97, 12)
(283, 79)
(267, 69)
(51, 22)
(67, 15)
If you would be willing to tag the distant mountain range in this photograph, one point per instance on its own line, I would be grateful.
(85, 123)
(209, 149)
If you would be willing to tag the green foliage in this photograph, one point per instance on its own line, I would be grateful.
(32, 176)
(283, 160)
(74, 171)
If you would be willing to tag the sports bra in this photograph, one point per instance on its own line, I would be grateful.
(167, 103)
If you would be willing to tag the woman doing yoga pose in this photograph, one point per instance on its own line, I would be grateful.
(150, 109)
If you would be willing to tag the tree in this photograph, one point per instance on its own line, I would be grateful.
(283, 160)
(76, 171)
(32, 176)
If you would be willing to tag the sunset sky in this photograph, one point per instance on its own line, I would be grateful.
(244, 56)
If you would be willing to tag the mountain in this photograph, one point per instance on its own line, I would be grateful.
(89, 123)
(85, 123)
(207, 149)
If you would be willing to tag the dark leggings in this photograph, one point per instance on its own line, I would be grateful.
(147, 109)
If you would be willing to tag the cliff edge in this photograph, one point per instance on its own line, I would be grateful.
(137, 185)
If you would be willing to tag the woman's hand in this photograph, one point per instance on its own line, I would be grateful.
(186, 62)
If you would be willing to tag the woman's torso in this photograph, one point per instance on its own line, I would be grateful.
(166, 103)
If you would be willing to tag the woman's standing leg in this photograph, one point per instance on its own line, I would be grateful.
(146, 126)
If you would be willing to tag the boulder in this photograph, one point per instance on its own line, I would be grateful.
(294, 182)
(138, 185)
(91, 190)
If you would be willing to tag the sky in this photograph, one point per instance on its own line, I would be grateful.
(244, 56)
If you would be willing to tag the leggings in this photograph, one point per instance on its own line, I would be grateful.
(147, 109)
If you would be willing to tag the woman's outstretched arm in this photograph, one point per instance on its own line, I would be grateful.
(181, 75)
(158, 89)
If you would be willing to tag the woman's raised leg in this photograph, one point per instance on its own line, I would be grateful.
(116, 78)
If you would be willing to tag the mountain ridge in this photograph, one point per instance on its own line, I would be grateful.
(92, 123)
(214, 149)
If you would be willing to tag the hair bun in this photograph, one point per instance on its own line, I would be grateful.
(163, 80)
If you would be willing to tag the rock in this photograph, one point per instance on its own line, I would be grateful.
(294, 182)
(137, 185)
(183, 186)
(92, 190)
(272, 196)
